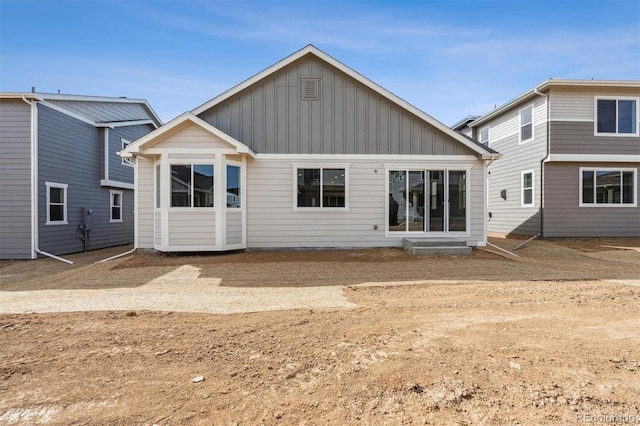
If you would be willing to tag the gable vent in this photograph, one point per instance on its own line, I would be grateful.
(309, 88)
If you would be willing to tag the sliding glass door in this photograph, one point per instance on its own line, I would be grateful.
(423, 201)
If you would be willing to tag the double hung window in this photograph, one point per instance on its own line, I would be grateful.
(483, 135)
(527, 189)
(56, 203)
(116, 206)
(526, 124)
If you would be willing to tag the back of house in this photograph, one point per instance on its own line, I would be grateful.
(571, 160)
(307, 153)
(63, 187)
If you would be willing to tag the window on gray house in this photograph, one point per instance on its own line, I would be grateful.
(616, 116)
(608, 187)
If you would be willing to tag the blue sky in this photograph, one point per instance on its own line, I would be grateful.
(450, 58)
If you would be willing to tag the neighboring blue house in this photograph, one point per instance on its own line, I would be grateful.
(63, 187)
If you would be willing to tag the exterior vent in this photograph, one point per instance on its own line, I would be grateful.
(310, 88)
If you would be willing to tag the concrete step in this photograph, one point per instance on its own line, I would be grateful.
(408, 243)
(435, 251)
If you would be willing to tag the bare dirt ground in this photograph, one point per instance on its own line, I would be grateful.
(551, 337)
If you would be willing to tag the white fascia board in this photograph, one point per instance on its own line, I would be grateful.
(545, 85)
(593, 158)
(62, 97)
(17, 95)
(69, 113)
(353, 74)
(112, 124)
(116, 184)
(372, 157)
(137, 147)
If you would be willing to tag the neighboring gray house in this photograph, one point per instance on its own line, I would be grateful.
(571, 160)
(307, 153)
(63, 187)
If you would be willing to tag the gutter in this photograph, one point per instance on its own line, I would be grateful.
(35, 243)
(34, 175)
(543, 161)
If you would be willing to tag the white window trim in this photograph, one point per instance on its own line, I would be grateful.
(452, 168)
(321, 166)
(533, 135)
(616, 134)
(237, 164)
(111, 206)
(488, 128)
(533, 188)
(64, 187)
(129, 162)
(193, 163)
(605, 205)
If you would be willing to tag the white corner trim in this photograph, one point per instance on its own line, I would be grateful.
(593, 158)
(116, 184)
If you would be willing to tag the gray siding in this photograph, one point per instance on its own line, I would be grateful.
(15, 179)
(70, 152)
(118, 171)
(508, 216)
(576, 137)
(102, 112)
(563, 217)
(347, 117)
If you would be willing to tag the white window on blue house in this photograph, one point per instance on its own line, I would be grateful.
(527, 189)
(116, 206)
(127, 161)
(601, 187)
(616, 116)
(526, 124)
(56, 203)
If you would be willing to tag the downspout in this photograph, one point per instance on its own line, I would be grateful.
(487, 163)
(35, 243)
(106, 154)
(543, 161)
(34, 176)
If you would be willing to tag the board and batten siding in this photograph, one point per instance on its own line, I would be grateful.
(508, 216)
(346, 118)
(15, 179)
(272, 221)
(70, 152)
(563, 216)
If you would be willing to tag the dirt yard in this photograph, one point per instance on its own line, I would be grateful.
(551, 337)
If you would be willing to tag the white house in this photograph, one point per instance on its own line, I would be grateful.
(307, 153)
